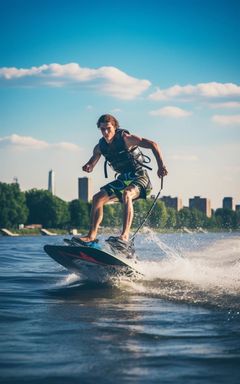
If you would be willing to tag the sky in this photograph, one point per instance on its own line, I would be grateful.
(167, 70)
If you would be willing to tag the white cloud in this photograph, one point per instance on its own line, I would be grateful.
(170, 111)
(226, 119)
(204, 90)
(23, 142)
(227, 104)
(12, 72)
(172, 92)
(27, 142)
(109, 80)
(65, 146)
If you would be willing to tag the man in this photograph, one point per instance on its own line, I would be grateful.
(121, 151)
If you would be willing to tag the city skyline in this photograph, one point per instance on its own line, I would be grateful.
(85, 193)
(170, 74)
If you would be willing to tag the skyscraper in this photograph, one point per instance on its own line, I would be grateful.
(227, 203)
(202, 204)
(172, 202)
(85, 189)
(51, 182)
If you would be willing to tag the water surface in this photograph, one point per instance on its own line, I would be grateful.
(178, 325)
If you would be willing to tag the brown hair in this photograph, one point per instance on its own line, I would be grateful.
(108, 119)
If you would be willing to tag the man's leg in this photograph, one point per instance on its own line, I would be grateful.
(99, 200)
(130, 193)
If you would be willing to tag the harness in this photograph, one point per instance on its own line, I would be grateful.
(119, 157)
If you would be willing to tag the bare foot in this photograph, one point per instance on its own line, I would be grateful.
(124, 238)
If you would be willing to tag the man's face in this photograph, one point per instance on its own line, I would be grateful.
(108, 131)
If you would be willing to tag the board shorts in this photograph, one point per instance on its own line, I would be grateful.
(139, 179)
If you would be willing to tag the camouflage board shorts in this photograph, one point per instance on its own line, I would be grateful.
(139, 179)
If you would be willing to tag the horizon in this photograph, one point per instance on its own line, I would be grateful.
(168, 72)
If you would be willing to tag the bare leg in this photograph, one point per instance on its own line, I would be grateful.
(129, 194)
(99, 200)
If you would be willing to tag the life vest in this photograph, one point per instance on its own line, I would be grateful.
(121, 158)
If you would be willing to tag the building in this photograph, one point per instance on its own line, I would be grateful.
(237, 207)
(85, 189)
(51, 182)
(202, 204)
(172, 202)
(227, 203)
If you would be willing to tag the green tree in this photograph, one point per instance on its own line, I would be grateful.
(118, 213)
(158, 216)
(46, 209)
(184, 218)
(225, 218)
(140, 210)
(237, 219)
(13, 209)
(197, 219)
(79, 213)
(112, 215)
(108, 216)
(211, 222)
(171, 218)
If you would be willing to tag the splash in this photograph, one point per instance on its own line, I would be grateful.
(69, 280)
(208, 274)
(153, 239)
(216, 263)
(202, 269)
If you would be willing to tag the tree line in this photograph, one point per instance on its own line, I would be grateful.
(41, 207)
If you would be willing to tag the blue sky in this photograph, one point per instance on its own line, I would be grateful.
(168, 70)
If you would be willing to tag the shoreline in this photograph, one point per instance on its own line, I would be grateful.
(66, 232)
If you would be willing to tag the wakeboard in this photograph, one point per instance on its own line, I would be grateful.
(92, 263)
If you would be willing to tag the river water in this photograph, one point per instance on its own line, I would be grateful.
(180, 324)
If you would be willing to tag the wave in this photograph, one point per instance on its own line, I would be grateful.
(205, 271)
(207, 274)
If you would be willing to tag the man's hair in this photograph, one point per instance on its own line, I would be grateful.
(108, 119)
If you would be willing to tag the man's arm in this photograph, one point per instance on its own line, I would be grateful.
(88, 167)
(132, 140)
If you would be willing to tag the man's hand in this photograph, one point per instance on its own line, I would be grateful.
(162, 171)
(87, 167)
